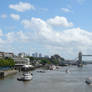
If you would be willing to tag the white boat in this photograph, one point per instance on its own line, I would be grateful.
(52, 67)
(89, 81)
(67, 71)
(26, 76)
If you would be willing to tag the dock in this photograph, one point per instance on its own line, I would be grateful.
(3, 74)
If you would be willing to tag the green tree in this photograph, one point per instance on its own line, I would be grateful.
(45, 61)
(7, 62)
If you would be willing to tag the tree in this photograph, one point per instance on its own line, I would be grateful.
(7, 62)
(45, 61)
(10, 62)
(56, 59)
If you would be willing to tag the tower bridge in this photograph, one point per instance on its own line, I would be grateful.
(80, 61)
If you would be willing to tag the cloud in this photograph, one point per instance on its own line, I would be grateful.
(59, 21)
(3, 16)
(22, 6)
(66, 42)
(15, 16)
(80, 1)
(1, 42)
(22, 36)
(12, 40)
(42, 29)
(43, 36)
(11, 37)
(66, 10)
(1, 33)
(19, 36)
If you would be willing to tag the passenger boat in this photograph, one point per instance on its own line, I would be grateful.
(67, 71)
(26, 76)
(52, 67)
(89, 81)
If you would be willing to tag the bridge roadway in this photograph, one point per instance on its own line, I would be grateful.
(87, 55)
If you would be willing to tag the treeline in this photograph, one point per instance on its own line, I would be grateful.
(7, 62)
(55, 59)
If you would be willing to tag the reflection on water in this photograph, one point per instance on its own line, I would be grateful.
(51, 81)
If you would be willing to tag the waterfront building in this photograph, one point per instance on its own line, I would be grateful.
(21, 61)
(6, 54)
(10, 55)
(1, 54)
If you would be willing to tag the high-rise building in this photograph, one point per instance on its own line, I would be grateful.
(35, 54)
(40, 55)
(22, 55)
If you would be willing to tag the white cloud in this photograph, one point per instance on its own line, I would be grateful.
(22, 36)
(1, 40)
(68, 41)
(42, 35)
(59, 21)
(11, 37)
(11, 40)
(43, 29)
(66, 10)
(21, 6)
(14, 37)
(80, 1)
(3, 16)
(15, 16)
(1, 33)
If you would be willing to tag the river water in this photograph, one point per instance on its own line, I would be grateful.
(51, 81)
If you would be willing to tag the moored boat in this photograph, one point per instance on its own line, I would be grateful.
(89, 81)
(26, 76)
(67, 71)
(52, 67)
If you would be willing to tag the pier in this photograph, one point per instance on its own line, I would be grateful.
(6, 73)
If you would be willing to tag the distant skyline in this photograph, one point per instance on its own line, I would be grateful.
(49, 27)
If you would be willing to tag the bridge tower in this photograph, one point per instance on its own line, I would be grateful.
(80, 59)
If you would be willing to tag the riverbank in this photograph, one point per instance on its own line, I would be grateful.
(5, 73)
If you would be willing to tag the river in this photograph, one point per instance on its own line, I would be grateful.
(51, 81)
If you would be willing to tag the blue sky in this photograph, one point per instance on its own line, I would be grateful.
(46, 26)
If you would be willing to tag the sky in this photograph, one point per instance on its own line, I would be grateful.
(46, 26)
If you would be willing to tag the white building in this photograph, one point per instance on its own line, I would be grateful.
(6, 54)
(22, 55)
(22, 61)
(11, 55)
(1, 54)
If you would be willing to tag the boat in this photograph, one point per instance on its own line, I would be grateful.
(67, 71)
(89, 81)
(41, 71)
(52, 67)
(26, 76)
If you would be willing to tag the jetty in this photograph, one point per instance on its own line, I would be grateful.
(3, 74)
